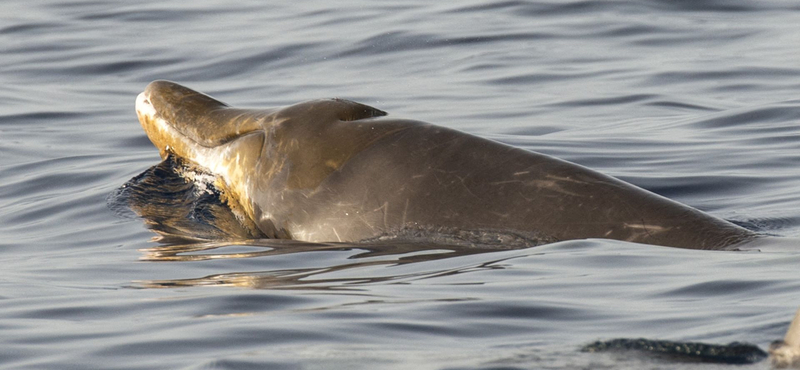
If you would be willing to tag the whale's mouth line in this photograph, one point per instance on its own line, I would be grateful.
(196, 141)
(144, 108)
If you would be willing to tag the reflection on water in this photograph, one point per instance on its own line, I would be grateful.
(305, 278)
(193, 223)
(694, 100)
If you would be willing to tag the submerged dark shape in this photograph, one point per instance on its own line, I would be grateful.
(180, 209)
(339, 171)
(783, 353)
(732, 353)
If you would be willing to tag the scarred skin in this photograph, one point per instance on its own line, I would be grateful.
(336, 170)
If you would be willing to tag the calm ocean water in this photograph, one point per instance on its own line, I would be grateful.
(695, 100)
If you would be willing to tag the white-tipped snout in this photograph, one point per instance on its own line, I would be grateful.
(143, 106)
(157, 131)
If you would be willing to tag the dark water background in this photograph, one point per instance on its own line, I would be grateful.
(695, 100)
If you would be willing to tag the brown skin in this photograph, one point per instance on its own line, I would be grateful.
(335, 170)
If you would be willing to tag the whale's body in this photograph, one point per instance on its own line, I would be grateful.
(336, 170)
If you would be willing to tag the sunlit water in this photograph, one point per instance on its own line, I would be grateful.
(694, 100)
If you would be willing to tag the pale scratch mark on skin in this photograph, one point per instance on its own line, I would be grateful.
(405, 212)
(365, 196)
(464, 184)
(505, 182)
(645, 228)
(385, 209)
(565, 179)
(550, 182)
(552, 185)
(386, 215)
(337, 234)
(646, 231)
(436, 176)
(365, 221)
(461, 179)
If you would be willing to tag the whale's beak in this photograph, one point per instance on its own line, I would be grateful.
(147, 118)
(161, 131)
(143, 106)
(196, 127)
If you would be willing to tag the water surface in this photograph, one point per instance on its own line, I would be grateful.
(694, 100)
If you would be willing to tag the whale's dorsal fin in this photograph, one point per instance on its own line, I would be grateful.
(338, 109)
(349, 110)
(352, 111)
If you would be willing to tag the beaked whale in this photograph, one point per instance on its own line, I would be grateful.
(339, 171)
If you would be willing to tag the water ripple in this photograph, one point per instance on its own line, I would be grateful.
(695, 100)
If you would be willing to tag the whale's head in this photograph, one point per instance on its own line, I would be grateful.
(204, 131)
(259, 155)
(190, 124)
